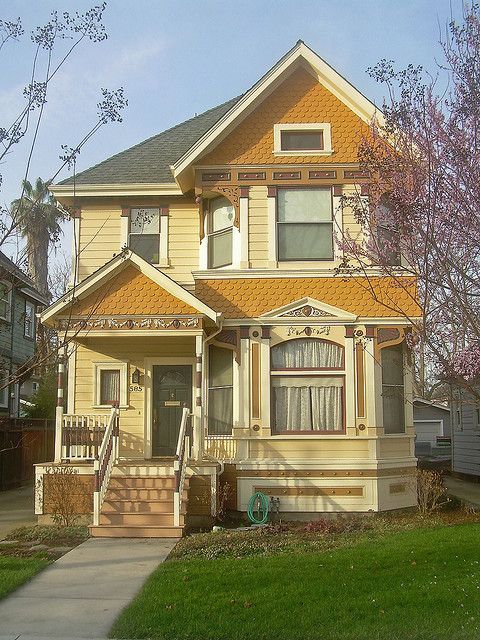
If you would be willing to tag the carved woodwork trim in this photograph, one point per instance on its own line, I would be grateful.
(128, 323)
(251, 175)
(311, 491)
(287, 175)
(230, 339)
(233, 194)
(306, 311)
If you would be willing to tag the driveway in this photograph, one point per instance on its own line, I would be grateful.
(468, 492)
(16, 509)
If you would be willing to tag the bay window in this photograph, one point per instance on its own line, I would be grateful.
(393, 393)
(220, 391)
(221, 215)
(307, 390)
(144, 233)
(304, 224)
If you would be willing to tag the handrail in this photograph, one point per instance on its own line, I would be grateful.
(104, 461)
(180, 465)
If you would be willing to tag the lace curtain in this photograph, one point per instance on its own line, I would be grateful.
(307, 353)
(109, 386)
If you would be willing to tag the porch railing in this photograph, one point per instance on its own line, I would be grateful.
(104, 461)
(182, 454)
(221, 447)
(82, 435)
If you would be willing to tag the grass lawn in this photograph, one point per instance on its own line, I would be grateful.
(14, 571)
(420, 584)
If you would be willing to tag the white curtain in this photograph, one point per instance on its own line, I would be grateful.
(307, 404)
(109, 386)
(307, 353)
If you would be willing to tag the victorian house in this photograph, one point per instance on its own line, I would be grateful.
(211, 340)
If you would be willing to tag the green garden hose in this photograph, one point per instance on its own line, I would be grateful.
(258, 508)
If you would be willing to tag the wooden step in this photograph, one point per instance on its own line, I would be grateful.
(137, 506)
(132, 531)
(140, 519)
(123, 493)
(145, 482)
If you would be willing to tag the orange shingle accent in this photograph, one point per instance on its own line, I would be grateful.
(251, 297)
(131, 293)
(299, 99)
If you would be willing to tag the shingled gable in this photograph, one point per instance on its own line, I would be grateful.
(186, 302)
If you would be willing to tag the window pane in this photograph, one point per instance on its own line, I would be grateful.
(304, 205)
(307, 353)
(3, 308)
(301, 140)
(220, 250)
(388, 246)
(148, 247)
(145, 221)
(220, 367)
(220, 411)
(307, 404)
(222, 214)
(392, 365)
(109, 386)
(305, 241)
(393, 409)
(29, 319)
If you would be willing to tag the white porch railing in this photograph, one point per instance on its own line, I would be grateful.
(82, 435)
(104, 461)
(182, 454)
(221, 447)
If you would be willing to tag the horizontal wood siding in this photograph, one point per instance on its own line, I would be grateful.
(100, 237)
(183, 242)
(258, 227)
(300, 449)
(466, 442)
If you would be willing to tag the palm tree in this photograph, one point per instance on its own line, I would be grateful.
(37, 216)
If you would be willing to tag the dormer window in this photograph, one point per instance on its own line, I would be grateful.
(221, 215)
(302, 139)
(144, 235)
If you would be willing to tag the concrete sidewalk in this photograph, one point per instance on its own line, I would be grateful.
(468, 492)
(83, 592)
(16, 509)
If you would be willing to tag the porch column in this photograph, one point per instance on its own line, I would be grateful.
(197, 408)
(59, 408)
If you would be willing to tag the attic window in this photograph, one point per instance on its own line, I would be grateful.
(302, 139)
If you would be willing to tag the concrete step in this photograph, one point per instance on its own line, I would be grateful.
(146, 482)
(132, 531)
(137, 506)
(134, 494)
(139, 519)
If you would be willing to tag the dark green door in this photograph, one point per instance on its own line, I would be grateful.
(172, 390)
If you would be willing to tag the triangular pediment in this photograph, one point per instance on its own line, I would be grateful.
(128, 286)
(310, 309)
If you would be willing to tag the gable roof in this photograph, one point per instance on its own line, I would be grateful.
(21, 278)
(149, 161)
(121, 262)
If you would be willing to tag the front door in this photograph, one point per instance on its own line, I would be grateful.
(172, 390)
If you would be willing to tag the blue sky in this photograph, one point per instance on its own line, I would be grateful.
(175, 59)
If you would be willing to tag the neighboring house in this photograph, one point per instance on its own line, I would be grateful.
(19, 303)
(465, 411)
(432, 427)
(206, 263)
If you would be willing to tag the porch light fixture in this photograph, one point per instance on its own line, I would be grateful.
(136, 376)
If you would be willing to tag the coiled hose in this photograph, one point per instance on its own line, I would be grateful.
(258, 508)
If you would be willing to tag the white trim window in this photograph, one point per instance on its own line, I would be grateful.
(5, 301)
(144, 233)
(29, 320)
(312, 139)
(221, 216)
(4, 391)
(220, 391)
(111, 383)
(304, 224)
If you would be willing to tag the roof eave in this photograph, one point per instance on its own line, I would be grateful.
(123, 189)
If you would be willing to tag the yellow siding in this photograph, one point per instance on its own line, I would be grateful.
(183, 242)
(299, 449)
(394, 447)
(258, 227)
(350, 224)
(132, 350)
(100, 237)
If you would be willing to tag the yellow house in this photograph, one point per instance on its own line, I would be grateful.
(207, 306)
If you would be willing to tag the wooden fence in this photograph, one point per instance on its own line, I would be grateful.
(23, 443)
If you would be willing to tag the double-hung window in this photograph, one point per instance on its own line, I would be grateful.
(29, 320)
(5, 301)
(221, 214)
(304, 224)
(393, 393)
(4, 388)
(307, 386)
(110, 384)
(388, 238)
(144, 235)
(220, 391)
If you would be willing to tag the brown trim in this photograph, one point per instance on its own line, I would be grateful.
(355, 173)
(323, 174)
(164, 211)
(255, 386)
(126, 213)
(244, 191)
(370, 331)
(244, 332)
(311, 491)
(76, 212)
(360, 379)
(287, 175)
(338, 190)
(224, 176)
(271, 192)
(265, 335)
(251, 175)
(364, 189)
(324, 473)
(349, 331)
